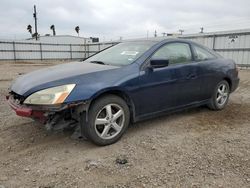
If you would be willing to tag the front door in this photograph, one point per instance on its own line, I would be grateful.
(172, 86)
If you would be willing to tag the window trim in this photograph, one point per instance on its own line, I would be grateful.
(196, 55)
(147, 61)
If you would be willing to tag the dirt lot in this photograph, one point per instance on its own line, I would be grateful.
(195, 148)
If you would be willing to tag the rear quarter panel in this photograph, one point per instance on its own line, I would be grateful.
(213, 71)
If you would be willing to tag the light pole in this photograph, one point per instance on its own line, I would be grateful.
(35, 17)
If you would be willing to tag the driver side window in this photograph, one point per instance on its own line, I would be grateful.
(174, 52)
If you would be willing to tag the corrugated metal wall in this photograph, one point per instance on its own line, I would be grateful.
(232, 45)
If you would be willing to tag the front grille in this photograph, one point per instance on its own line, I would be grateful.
(19, 99)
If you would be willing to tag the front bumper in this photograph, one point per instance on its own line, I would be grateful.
(41, 112)
(25, 111)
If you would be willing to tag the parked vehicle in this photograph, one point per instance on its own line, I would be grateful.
(126, 83)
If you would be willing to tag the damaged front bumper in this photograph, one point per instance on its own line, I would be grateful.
(43, 113)
(25, 111)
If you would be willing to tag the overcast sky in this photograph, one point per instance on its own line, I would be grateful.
(111, 19)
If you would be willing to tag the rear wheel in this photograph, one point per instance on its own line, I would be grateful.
(107, 121)
(220, 96)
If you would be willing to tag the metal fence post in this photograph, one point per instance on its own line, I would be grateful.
(214, 42)
(70, 46)
(85, 49)
(88, 50)
(41, 52)
(14, 50)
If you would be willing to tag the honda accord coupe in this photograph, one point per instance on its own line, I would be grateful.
(128, 82)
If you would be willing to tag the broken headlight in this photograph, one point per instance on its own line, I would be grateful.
(54, 95)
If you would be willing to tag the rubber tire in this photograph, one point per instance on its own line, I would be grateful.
(89, 128)
(213, 104)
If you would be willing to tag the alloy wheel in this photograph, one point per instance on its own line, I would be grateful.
(109, 121)
(222, 94)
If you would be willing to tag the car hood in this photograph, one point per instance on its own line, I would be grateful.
(59, 72)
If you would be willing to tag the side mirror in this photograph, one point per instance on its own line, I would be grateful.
(159, 63)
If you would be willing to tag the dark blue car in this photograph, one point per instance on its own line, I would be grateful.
(126, 83)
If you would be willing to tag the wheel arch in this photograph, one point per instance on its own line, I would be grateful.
(229, 81)
(120, 93)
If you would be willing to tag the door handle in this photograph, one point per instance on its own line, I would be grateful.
(191, 76)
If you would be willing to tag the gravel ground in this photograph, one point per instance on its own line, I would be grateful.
(194, 148)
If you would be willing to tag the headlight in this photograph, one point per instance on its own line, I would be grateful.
(54, 95)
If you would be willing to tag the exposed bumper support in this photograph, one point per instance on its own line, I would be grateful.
(26, 110)
(56, 117)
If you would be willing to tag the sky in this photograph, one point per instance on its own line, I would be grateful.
(112, 19)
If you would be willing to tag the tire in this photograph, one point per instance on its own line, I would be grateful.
(220, 96)
(108, 119)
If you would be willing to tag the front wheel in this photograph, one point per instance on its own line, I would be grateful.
(220, 96)
(108, 119)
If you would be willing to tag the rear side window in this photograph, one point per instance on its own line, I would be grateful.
(174, 52)
(202, 54)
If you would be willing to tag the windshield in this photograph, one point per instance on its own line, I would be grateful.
(121, 54)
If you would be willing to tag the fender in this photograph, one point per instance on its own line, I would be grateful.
(119, 92)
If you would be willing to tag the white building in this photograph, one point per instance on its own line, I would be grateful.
(62, 39)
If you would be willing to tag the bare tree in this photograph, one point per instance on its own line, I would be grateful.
(77, 28)
(155, 35)
(52, 27)
(202, 30)
(29, 28)
(181, 31)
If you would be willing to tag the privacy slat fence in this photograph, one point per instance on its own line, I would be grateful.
(233, 45)
(15, 51)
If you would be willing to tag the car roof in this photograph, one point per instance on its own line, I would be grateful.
(162, 41)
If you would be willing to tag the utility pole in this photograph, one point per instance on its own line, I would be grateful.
(202, 30)
(181, 31)
(35, 17)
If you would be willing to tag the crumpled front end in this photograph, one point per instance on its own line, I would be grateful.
(15, 101)
(55, 117)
